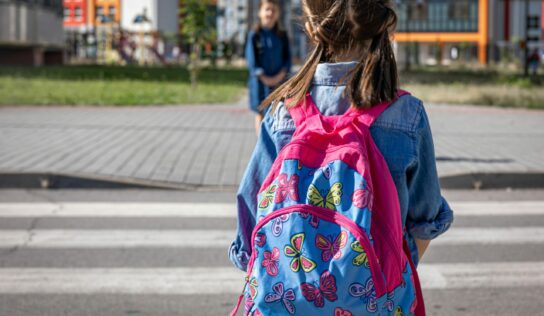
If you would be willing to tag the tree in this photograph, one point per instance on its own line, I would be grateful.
(198, 28)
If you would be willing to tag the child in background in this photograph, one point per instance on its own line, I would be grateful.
(268, 56)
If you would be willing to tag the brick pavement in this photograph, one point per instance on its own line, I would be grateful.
(210, 145)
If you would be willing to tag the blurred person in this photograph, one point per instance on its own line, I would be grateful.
(534, 61)
(341, 197)
(268, 56)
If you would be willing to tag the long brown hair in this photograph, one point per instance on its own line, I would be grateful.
(342, 26)
(278, 28)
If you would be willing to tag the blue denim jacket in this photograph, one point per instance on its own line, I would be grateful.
(401, 132)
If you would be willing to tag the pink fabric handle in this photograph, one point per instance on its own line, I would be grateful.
(306, 110)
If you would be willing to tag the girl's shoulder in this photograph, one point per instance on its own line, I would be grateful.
(279, 118)
(404, 114)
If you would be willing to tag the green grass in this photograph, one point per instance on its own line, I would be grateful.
(115, 85)
(475, 87)
(106, 85)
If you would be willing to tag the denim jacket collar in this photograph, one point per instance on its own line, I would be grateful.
(331, 74)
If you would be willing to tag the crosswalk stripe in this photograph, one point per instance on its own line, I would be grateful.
(116, 238)
(230, 280)
(481, 235)
(202, 210)
(504, 208)
(73, 238)
(225, 210)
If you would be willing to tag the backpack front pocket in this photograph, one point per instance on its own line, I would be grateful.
(310, 260)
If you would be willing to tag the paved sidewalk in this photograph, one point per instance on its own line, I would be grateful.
(202, 146)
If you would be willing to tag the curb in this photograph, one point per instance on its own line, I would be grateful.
(70, 181)
(472, 181)
(484, 181)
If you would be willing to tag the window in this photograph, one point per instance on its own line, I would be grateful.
(67, 13)
(77, 13)
(459, 10)
(112, 12)
(417, 10)
(437, 16)
(99, 12)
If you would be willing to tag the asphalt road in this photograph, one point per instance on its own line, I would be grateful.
(125, 252)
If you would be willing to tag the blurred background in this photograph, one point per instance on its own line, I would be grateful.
(125, 131)
(459, 43)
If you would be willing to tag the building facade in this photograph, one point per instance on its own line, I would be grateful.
(162, 15)
(103, 12)
(75, 14)
(31, 32)
(442, 31)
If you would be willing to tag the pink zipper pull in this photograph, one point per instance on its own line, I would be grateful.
(240, 298)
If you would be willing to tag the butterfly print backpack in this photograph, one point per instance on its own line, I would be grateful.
(328, 238)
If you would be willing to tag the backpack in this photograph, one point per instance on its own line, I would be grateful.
(328, 238)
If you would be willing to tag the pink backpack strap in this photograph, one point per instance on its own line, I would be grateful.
(368, 116)
(303, 110)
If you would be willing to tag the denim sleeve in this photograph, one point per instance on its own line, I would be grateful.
(252, 63)
(429, 214)
(259, 165)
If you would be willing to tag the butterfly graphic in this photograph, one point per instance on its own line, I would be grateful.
(361, 258)
(342, 312)
(277, 224)
(362, 198)
(367, 292)
(398, 311)
(260, 239)
(327, 171)
(389, 304)
(329, 200)
(253, 285)
(287, 188)
(314, 220)
(267, 196)
(270, 262)
(248, 303)
(331, 247)
(413, 306)
(285, 296)
(257, 313)
(325, 290)
(295, 250)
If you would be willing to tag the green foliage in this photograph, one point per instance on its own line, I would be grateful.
(197, 28)
(198, 25)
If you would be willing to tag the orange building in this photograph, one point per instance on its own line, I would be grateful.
(75, 14)
(442, 21)
(104, 8)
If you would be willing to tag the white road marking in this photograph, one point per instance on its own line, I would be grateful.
(230, 280)
(116, 238)
(74, 238)
(505, 208)
(484, 235)
(482, 275)
(225, 210)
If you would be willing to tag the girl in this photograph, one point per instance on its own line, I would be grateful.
(352, 65)
(268, 56)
